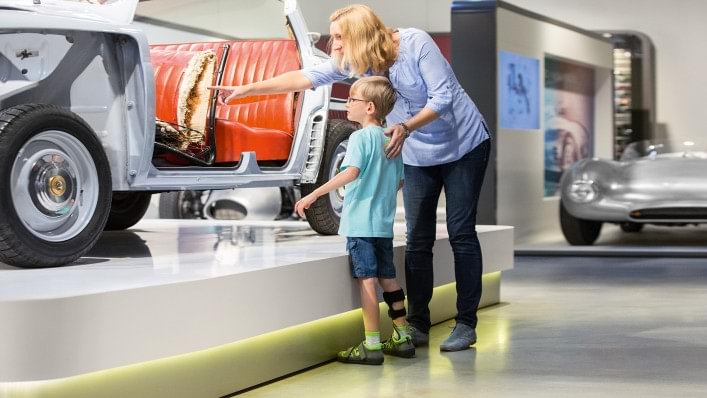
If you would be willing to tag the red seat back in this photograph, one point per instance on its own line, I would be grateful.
(251, 61)
(169, 67)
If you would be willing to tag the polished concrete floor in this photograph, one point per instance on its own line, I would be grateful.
(568, 327)
(653, 240)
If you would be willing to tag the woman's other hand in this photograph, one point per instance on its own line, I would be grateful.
(226, 94)
(397, 139)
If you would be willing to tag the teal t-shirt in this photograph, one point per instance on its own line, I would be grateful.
(369, 201)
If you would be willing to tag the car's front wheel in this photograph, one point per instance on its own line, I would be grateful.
(55, 186)
(324, 215)
(577, 231)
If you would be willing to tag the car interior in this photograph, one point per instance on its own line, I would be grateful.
(195, 129)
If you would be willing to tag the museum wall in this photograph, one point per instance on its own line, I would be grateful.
(178, 21)
(677, 30)
(525, 197)
(429, 15)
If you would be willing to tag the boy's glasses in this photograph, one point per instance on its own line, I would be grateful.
(352, 99)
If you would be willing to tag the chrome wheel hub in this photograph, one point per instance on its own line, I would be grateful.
(54, 186)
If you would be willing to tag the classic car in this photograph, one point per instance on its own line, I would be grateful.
(93, 120)
(652, 183)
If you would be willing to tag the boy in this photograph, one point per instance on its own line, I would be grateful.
(372, 182)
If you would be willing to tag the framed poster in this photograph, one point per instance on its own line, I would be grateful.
(568, 117)
(519, 96)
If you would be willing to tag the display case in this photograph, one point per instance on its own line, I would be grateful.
(622, 100)
(634, 88)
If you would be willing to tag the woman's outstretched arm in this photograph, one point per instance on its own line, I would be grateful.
(287, 82)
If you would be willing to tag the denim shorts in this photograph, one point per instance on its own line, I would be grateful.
(371, 257)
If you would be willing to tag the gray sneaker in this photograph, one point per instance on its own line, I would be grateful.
(419, 338)
(460, 339)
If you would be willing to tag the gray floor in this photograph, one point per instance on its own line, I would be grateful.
(655, 241)
(580, 327)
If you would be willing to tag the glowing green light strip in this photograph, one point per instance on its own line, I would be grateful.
(236, 366)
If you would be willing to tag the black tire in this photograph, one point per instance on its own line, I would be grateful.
(631, 227)
(323, 215)
(72, 146)
(126, 209)
(578, 232)
(178, 205)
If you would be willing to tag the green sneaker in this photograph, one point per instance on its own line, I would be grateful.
(399, 347)
(361, 355)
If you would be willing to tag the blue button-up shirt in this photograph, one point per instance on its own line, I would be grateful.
(422, 77)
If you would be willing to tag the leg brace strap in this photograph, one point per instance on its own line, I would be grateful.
(394, 297)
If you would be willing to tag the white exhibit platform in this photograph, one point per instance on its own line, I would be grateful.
(180, 291)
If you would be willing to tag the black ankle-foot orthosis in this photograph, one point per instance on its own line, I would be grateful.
(394, 297)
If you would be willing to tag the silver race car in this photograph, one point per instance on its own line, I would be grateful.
(652, 183)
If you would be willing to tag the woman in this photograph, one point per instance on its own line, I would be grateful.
(446, 145)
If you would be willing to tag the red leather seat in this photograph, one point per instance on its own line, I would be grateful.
(263, 124)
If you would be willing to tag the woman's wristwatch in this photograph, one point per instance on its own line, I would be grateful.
(407, 129)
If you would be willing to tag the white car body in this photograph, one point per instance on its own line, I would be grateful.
(87, 60)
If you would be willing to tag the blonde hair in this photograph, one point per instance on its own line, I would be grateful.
(369, 43)
(378, 90)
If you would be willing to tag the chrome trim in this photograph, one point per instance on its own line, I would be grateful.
(316, 127)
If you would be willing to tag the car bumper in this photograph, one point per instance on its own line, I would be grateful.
(610, 210)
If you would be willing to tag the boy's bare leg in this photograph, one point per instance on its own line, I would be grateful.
(369, 352)
(391, 285)
(369, 304)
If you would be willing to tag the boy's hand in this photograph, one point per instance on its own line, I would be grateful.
(304, 203)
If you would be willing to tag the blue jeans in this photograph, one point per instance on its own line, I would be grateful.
(462, 181)
(371, 257)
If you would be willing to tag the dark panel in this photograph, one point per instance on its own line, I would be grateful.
(474, 62)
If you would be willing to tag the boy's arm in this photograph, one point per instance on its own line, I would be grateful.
(349, 174)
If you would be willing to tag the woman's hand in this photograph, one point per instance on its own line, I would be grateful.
(395, 146)
(228, 93)
(304, 203)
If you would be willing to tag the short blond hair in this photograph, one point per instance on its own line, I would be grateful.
(369, 43)
(378, 90)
